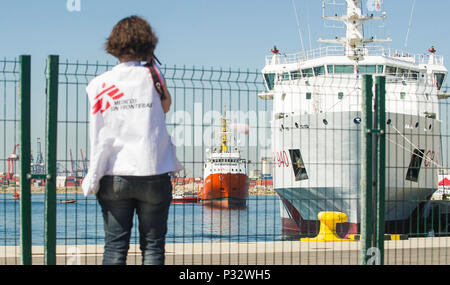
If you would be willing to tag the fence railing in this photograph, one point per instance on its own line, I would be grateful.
(303, 152)
(341, 51)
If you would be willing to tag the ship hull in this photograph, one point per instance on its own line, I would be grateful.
(225, 190)
(327, 175)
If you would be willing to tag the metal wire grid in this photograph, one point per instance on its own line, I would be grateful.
(195, 91)
(237, 237)
(9, 120)
(414, 146)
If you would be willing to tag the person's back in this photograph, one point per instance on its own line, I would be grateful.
(131, 151)
(126, 108)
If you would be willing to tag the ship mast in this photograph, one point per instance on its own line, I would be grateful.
(224, 132)
(354, 41)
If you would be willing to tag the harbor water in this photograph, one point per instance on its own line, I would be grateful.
(81, 223)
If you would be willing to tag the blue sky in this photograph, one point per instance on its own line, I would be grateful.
(232, 33)
(209, 33)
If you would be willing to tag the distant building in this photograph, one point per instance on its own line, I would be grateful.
(266, 163)
(255, 174)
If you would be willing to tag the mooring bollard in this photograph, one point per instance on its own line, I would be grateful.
(327, 232)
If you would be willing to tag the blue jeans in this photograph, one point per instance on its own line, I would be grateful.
(119, 197)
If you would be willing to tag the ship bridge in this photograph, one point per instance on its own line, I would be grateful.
(354, 56)
(331, 61)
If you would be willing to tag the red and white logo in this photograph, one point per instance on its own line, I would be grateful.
(106, 98)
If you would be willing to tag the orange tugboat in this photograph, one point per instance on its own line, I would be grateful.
(225, 175)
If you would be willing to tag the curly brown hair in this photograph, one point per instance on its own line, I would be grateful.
(132, 38)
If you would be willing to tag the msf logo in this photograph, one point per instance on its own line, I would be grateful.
(105, 99)
(73, 5)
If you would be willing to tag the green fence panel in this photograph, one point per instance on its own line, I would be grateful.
(276, 227)
(208, 236)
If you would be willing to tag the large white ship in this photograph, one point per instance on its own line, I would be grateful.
(316, 126)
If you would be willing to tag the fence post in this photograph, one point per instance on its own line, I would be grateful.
(381, 163)
(25, 158)
(366, 169)
(51, 143)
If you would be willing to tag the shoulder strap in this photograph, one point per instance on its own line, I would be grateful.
(156, 79)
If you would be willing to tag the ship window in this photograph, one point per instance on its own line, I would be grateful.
(295, 74)
(391, 70)
(414, 75)
(330, 68)
(402, 72)
(439, 80)
(307, 72)
(269, 78)
(320, 70)
(368, 69)
(298, 165)
(308, 95)
(402, 95)
(346, 69)
(414, 165)
(285, 76)
(340, 95)
(380, 68)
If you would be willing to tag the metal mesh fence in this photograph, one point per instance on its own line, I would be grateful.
(314, 158)
(300, 146)
(9, 166)
(318, 147)
(200, 96)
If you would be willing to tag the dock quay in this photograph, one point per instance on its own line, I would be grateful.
(414, 251)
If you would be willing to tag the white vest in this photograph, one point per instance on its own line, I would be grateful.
(128, 134)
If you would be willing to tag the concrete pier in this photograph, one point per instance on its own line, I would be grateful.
(415, 251)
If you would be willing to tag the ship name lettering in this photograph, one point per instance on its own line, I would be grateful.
(430, 157)
(282, 159)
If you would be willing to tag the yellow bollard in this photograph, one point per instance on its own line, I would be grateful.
(327, 232)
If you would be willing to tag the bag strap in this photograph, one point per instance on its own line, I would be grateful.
(156, 80)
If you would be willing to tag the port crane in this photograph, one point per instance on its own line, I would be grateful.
(38, 165)
(75, 167)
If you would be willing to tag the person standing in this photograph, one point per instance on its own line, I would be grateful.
(131, 152)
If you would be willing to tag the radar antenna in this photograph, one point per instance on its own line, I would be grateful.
(354, 41)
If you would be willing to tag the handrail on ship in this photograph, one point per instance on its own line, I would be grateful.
(340, 51)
